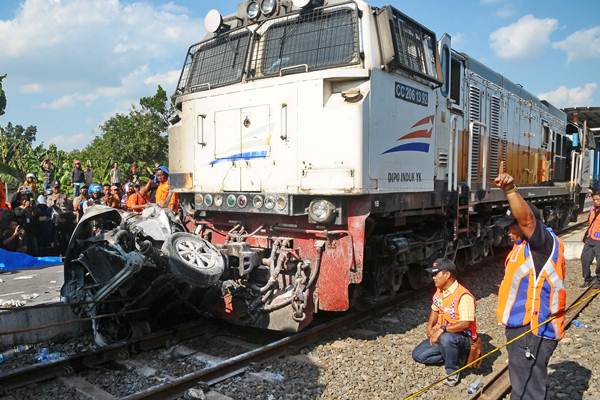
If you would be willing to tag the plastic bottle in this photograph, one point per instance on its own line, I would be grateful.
(577, 324)
(10, 353)
(42, 355)
(474, 387)
(54, 356)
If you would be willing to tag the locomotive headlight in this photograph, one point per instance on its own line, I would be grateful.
(242, 201)
(257, 201)
(213, 21)
(208, 200)
(218, 200)
(269, 202)
(281, 202)
(321, 211)
(268, 6)
(199, 199)
(252, 10)
(231, 200)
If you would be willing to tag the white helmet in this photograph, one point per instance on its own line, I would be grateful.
(30, 175)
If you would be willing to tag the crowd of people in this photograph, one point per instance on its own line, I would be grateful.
(39, 220)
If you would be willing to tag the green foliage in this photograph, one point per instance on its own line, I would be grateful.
(2, 96)
(136, 137)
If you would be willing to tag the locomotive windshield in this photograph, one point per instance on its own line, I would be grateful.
(301, 42)
(218, 62)
(313, 41)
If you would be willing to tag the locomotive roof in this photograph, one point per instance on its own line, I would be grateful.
(507, 84)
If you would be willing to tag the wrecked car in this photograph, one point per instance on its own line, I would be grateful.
(135, 272)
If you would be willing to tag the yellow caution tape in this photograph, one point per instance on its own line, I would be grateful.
(427, 388)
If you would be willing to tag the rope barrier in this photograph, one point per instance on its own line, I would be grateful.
(497, 349)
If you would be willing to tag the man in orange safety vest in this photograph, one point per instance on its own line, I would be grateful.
(532, 292)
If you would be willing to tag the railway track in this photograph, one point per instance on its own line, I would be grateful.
(222, 370)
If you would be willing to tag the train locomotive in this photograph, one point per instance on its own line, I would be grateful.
(325, 150)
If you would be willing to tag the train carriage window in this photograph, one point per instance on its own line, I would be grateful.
(546, 137)
(456, 81)
(445, 61)
(413, 45)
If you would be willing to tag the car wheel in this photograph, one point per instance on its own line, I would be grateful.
(193, 259)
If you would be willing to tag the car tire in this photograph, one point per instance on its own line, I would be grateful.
(193, 260)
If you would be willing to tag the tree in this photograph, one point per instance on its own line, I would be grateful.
(2, 96)
(136, 137)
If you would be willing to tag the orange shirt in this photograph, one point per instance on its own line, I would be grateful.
(135, 199)
(162, 192)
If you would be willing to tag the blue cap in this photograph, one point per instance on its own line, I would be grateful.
(163, 169)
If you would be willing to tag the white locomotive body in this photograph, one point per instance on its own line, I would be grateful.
(345, 147)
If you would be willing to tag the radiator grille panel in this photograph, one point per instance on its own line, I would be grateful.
(494, 136)
(475, 116)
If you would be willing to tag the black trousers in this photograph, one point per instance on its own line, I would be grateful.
(590, 250)
(528, 373)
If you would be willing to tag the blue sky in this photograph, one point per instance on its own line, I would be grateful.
(71, 64)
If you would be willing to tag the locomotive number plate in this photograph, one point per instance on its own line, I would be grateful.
(411, 94)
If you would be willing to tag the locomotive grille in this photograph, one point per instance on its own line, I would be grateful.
(504, 146)
(474, 116)
(494, 136)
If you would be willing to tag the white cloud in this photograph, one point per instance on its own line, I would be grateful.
(458, 39)
(505, 11)
(523, 39)
(581, 45)
(131, 83)
(31, 88)
(490, 1)
(80, 45)
(70, 142)
(571, 97)
(168, 79)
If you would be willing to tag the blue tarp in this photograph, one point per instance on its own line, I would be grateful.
(11, 261)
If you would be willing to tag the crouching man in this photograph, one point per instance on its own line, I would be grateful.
(451, 327)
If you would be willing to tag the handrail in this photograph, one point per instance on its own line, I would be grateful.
(451, 170)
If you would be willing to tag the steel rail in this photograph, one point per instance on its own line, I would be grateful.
(40, 372)
(499, 384)
(178, 386)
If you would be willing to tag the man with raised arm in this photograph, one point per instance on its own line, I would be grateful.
(532, 291)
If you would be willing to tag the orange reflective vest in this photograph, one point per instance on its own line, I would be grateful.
(594, 224)
(525, 299)
(448, 309)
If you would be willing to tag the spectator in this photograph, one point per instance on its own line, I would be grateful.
(135, 200)
(43, 229)
(134, 176)
(165, 197)
(95, 196)
(115, 175)
(13, 238)
(79, 201)
(59, 200)
(3, 204)
(77, 177)
(88, 174)
(30, 182)
(48, 173)
(24, 215)
(105, 194)
(15, 199)
(114, 199)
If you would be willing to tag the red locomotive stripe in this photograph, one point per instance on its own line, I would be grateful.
(426, 120)
(424, 133)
